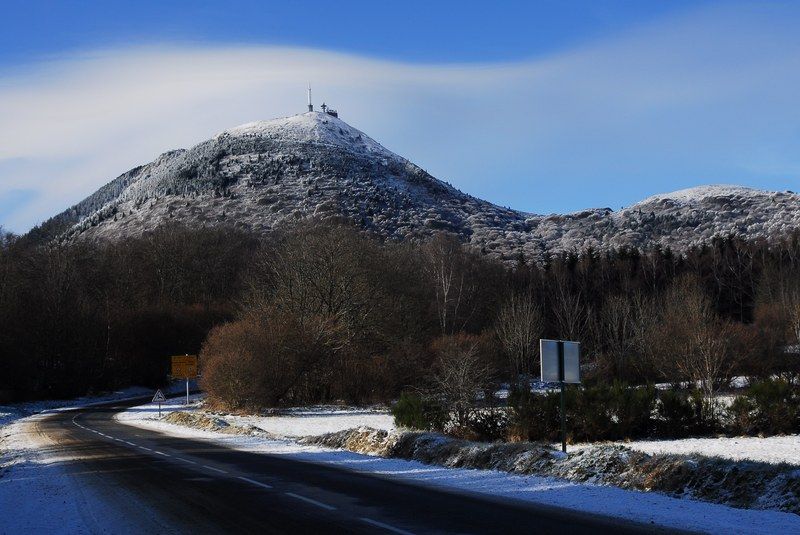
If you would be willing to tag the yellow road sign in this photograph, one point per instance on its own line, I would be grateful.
(184, 366)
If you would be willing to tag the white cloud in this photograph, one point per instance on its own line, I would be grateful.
(666, 106)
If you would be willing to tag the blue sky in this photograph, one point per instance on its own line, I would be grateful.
(426, 31)
(541, 106)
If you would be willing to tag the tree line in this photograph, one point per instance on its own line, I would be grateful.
(319, 312)
(86, 317)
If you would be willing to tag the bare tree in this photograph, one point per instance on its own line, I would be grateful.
(461, 371)
(318, 271)
(791, 302)
(447, 270)
(519, 325)
(617, 327)
(569, 310)
(691, 342)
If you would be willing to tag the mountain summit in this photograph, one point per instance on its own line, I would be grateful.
(262, 174)
(313, 127)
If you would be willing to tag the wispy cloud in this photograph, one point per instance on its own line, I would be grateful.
(708, 97)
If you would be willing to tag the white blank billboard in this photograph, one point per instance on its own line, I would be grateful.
(550, 365)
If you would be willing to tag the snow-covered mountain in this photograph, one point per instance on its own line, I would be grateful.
(262, 174)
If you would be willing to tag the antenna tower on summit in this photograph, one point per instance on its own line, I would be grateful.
(310, 106)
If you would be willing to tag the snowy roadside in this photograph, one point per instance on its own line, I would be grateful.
(250, 434)
(774, 449)
(14, 411)
(37, 493)
(290, 423)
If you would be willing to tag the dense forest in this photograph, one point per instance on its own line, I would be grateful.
(323, 312)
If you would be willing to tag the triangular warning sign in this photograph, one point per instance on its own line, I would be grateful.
(159, 397)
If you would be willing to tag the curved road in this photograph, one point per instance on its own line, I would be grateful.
(166, 484)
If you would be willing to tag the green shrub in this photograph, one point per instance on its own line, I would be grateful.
(620, 411)
(534, 417)
(769, 407)
(598, 412)
(678, 414)
(414, 411)
(633, 409)
(611, 412)
(589, 413)
(743, 415)
(488, 424)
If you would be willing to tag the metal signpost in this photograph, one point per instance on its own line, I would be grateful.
(560, 362)
(185, 367)
(159, 398)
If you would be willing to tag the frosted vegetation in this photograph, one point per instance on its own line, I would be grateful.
(259, 175)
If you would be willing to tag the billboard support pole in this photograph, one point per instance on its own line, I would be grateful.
(563, 401)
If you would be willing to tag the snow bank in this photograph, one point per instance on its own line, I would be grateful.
(317, 420)
(739, 484)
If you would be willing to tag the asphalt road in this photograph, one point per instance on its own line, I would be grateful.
(165, 484)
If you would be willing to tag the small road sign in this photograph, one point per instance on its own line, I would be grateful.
(184, 366)
(159, 398)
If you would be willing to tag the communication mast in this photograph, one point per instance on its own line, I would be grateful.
(325, 108)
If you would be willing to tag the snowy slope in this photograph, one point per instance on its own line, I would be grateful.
(696, 195)
(264, 174)
(678, 220)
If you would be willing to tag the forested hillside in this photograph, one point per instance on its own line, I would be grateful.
(320, 312)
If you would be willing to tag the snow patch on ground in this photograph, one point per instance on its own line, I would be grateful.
(632, 505)
(14, 411)
(288, 423)
(690, 196)
(778, 449)
(317, 421)
(37, 493)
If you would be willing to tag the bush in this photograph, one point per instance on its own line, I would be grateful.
(599, 412)
(589, 413)
(534, 417)
(678, 413)
(232, 368)
(743, 415)
(259, 362)
(414, 411)
(769, 407)
(487, 425)
(633, 410)
(611, 412)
